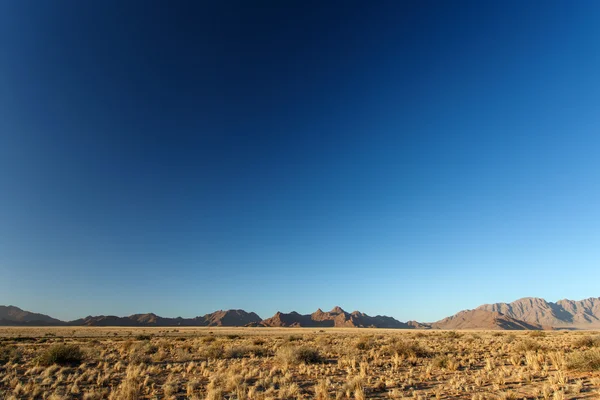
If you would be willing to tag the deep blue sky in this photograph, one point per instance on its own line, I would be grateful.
(402, 158)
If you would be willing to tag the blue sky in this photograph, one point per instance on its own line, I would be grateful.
(403, 158)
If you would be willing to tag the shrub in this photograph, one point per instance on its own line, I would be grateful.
(445, 362)
(364, 343)
(453, 335)
(588, 360)
(588, 341)
(61, 354)
(143, 337)
(214, 351)
(527, 345)
(298, 355)
(9, 354)
(407, 349)
(244, 351)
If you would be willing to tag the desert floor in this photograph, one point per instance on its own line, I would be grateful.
(275, 363)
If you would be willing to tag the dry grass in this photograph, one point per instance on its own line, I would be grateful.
(326, 364)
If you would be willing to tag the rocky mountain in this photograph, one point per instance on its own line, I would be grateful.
(334, 318)
(11, 315)
(231, 318)
(217, 318)
(525, 313)
(562, 314)
(483, 319)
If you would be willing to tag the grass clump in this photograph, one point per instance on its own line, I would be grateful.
(291, 355)
(214, 351)
(9, 354)
(244, 351)
(364, 343)
(446, 362)
(588, 341)
(587, 360)
(453, 335)
(208, 339)
(61, 354)
(407, 349)
(527, 345)
(537, 334)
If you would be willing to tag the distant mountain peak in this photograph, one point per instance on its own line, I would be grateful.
(337, 317)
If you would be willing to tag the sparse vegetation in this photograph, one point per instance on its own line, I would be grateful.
(262, 363)
(292, 355)
(61, 354)
(587, 360)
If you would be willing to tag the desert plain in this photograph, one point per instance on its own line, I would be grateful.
(92, 363)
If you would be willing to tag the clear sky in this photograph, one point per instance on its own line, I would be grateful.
(403, 158)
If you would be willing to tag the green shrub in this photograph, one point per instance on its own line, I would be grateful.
(61, 354)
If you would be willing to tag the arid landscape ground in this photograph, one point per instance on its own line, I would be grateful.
(296, 363)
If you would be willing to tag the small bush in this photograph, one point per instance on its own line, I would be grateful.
(446, 362)
(588, 360)
(453, 335)
(244, 351)
(214, 351)
(527, 345)
(364, 343)
(298, 355)
(9, 354)
(588, 341)
(61, 354)
(407, 349)
(511, 337)
(143, 337)
(208, 339)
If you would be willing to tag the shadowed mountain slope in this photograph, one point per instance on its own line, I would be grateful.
(11, 315)
(483, 319)
(217, 318)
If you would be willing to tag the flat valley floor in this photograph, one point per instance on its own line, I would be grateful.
(296, 363)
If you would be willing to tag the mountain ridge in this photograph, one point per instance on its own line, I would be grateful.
(525, 313)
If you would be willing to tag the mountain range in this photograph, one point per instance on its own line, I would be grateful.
(524, 314)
